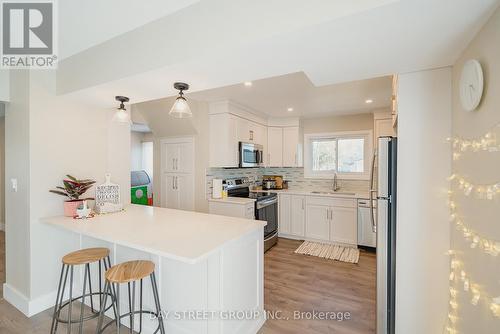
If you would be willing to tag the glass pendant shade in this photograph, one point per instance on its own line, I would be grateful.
(180, 109)
(121, 116)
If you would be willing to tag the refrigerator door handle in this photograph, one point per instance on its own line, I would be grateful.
(372, 191)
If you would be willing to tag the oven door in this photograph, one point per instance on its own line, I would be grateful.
(268, 210)
(251, 155)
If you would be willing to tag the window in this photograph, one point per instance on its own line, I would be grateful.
(346, 154)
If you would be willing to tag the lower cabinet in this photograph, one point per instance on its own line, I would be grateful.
(292, 215)
(177, 192)
(343, 225)
(318, 222)
(318, 218)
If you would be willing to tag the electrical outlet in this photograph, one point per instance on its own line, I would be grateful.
(14, 184)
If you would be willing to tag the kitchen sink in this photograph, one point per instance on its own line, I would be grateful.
(332, 193)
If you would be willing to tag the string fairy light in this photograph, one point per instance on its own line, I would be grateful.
(469, 286)
(482, 191)
(487, 142)
(474, 239)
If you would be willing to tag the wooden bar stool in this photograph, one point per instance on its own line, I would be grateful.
(69, 261)
(130, 272)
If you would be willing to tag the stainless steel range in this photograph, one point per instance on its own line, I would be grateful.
(266, 207)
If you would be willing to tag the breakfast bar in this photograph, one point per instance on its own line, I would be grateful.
(209, 267)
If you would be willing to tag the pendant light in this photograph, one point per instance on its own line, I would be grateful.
(181, 109)
(121, 115)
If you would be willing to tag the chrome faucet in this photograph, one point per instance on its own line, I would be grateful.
(335, 183)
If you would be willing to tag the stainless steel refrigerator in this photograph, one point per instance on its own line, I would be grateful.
(384, 193)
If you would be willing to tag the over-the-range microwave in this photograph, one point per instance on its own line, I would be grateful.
(251, 155)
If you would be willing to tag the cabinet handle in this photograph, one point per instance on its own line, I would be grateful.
(251, 135)
(303, 204)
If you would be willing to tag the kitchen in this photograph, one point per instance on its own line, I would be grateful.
(313, 85)
(246, 147)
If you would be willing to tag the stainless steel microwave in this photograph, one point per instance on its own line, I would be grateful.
(251, 155)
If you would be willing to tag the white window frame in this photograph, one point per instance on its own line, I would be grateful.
(368, 152)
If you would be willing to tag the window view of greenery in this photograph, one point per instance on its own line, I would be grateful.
(324, 155)
(351, 155)
(342, 155)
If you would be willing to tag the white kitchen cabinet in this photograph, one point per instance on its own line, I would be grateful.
(177, 157)
(232, 209)
(283, 147)
(177, 180)
(284, 220)
(292, 215)
(382, 126)
(223, 137)
(343, 225)
(331, 219)
(318, 222)
(291, 156)
(275, 146)
(178, 192)
(298, 216)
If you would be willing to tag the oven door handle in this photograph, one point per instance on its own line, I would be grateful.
(263, 204)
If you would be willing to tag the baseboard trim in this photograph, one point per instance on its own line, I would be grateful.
(28, 307)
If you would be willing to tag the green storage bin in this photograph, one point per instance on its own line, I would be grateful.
(139, 195)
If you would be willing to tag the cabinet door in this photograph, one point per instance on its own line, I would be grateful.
(383, 127)
(170, 156)
(298, 216)
(170, 198)
(275, 146)
(284, 214)
(184, 188)
(344, 227)
(317, 222)
(243, 127)
(184, 163)
(290, 145)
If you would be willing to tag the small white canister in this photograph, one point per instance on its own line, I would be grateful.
(217, 188)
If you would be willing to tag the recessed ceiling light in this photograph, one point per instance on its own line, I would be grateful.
(369, 101)
(248, 83)
(289, 109)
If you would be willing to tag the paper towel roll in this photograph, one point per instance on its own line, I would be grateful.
(216, 188)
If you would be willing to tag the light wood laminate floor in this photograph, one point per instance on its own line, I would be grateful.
(292, 283)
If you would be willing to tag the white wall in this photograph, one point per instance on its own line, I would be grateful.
(136, 139)
(480, 168)
(2, 172)
(424, 164)
(47, 137)
(4, 85)
(17, 153)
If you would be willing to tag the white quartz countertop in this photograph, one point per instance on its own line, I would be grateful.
(233, 200)
(180, 235)
(339, 194)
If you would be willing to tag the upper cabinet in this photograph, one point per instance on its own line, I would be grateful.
(284, 146)
(274, 146)
(291, 147)
(382, 125)
(223, 137)
(230, 124)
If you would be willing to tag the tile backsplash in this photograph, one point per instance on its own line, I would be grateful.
(294, 176)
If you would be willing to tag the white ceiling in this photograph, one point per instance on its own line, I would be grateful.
(273, 96)
(226, 42)
(104, 19)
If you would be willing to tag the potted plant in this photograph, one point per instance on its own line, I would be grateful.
(73, 189)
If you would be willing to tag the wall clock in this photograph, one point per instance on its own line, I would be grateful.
(471, 85)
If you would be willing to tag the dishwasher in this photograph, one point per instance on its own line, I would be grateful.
(367, 235)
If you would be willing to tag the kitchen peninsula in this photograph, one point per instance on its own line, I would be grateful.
(209, 267)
